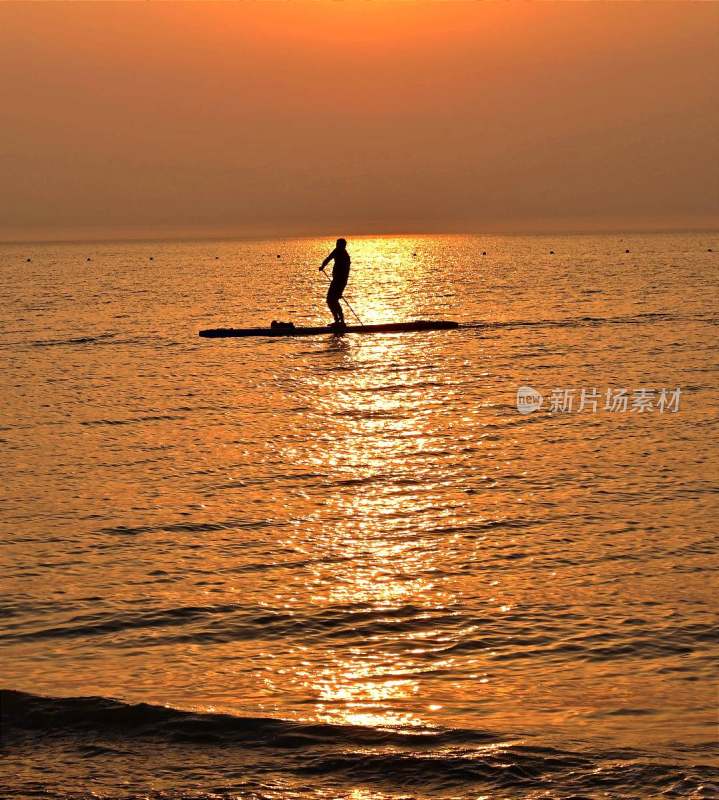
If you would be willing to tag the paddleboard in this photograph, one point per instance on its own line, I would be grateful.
(388, 327)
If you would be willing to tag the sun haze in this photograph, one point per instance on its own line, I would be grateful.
(214, 119)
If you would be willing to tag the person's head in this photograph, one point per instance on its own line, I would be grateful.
(342, 244)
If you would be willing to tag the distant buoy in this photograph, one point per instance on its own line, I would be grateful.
(626, 251)
(710, 250)
(28, 259)
(217, 258)
(551, 252)
(484, 252)
(152, 258)
(88, 259)
(414, 255)
(278, 255)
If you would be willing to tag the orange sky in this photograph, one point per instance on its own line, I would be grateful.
(351, 116)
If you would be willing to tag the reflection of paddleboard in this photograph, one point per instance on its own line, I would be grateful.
(287, 330)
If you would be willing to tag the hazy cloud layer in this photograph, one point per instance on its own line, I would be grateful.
(295, 117)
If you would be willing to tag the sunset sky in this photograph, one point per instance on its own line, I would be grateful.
(274, 118)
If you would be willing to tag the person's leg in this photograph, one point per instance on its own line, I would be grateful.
(333, 301)
(340, 285)
(340, 315)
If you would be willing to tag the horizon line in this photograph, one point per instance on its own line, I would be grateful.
(349, 235)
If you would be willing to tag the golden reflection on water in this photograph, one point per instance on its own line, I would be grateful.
(355, 693)
(375, 427)
(385, 274)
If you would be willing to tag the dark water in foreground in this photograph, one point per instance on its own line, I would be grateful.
(349, 567)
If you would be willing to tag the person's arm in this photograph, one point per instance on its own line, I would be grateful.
(328, 259)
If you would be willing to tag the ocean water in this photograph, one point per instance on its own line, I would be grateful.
(348, 567)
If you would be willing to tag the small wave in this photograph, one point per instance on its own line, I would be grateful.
(133, 421)
(426, 762)
(187, 527)
(101, 337)
(23, 714)
(643, 318)
(593, 646)
(228, 623)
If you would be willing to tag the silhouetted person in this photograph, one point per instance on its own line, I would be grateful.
(340, 276)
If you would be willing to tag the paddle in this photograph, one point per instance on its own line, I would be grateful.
(347, 303)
